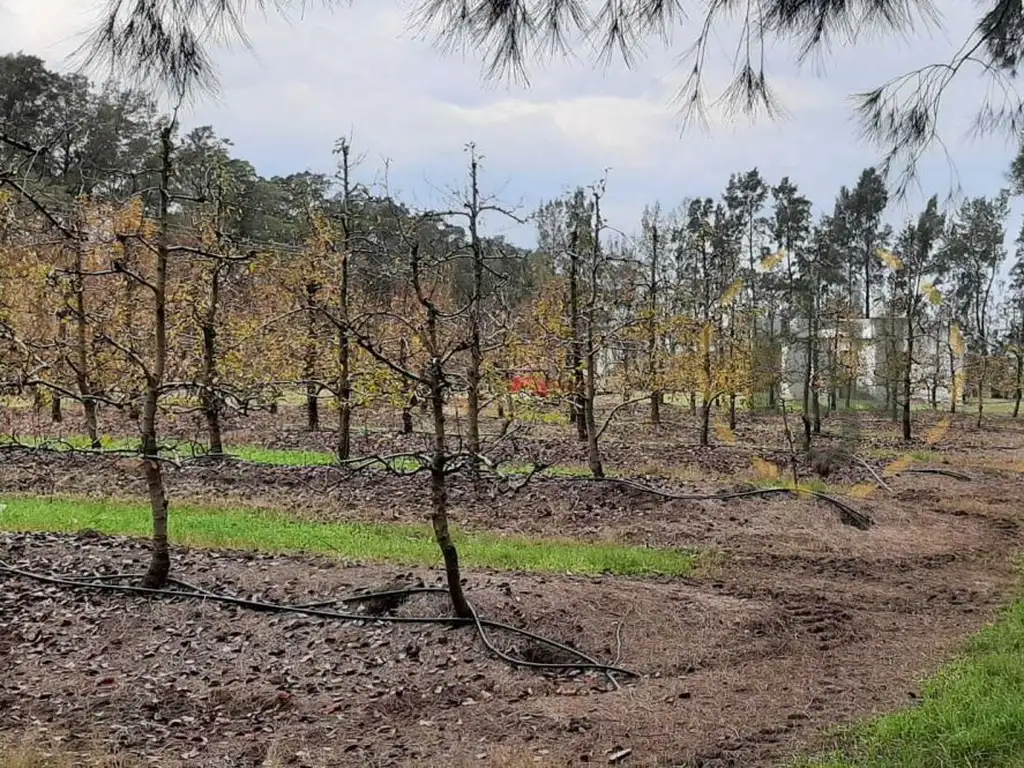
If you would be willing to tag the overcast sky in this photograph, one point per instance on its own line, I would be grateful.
(364, 72)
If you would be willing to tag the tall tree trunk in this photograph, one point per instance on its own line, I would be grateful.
(867, 282)
(953, 394)
(907, 379)
(160, 562)
(806, 421)
(344, 387)
(578, 405)
(593, 449)
(344, 441)
(439, 496)
(707, 395)
(435, 380)
(92, 429)
(1018, 383)
(409, 399)
(309, 361)
(981, 389)
(815, 394)
(56, 412)
(773, 373)
(653, 367)
(210, 398)
(808, 372)
(579, 402)
(82, 352)
(705, 422)
(474, 372)
(211, 402)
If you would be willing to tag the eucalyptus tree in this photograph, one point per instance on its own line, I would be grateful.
(652, 257)
(790, 229)
(707, 269)
(745, 197)
(915, 264)
(1015, 330)
(973, 253)
(860, 233)
(565, 234)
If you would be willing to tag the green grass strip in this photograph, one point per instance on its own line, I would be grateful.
(971, 714)
(362, 542)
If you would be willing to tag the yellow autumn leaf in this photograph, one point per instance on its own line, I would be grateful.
(772, 260)
(890, 259)
(732, 292)
(956, 339)
(933, 294)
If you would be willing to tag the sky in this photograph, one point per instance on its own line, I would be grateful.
(365, 72)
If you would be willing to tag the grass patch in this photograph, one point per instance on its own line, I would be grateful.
(252, 453)
(363, 542)
(971, 713)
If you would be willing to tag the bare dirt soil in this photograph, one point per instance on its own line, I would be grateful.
(800, 624)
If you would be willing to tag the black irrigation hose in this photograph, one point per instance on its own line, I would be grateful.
(191, 591)
(366, 596)
(936, 471)
(847, 514)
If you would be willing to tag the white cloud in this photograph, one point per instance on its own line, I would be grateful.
(363, 70)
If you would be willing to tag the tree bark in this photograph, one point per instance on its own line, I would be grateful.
(309, 361)
(593, 449)
(707, 396)
(409, 399)
(160, 561)
(705, 422)
(210, 399)
(907, 380)
(344, 441)
(1018, 383)
(577, 412)
(981, 390)
(652, 331)
(439, 498)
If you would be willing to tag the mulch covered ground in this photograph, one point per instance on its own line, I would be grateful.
(802, 623)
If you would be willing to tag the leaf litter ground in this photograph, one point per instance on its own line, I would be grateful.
(801, 624)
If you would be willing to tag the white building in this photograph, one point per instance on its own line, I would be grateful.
(865, 345)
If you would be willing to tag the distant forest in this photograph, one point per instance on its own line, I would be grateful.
(131, 253)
